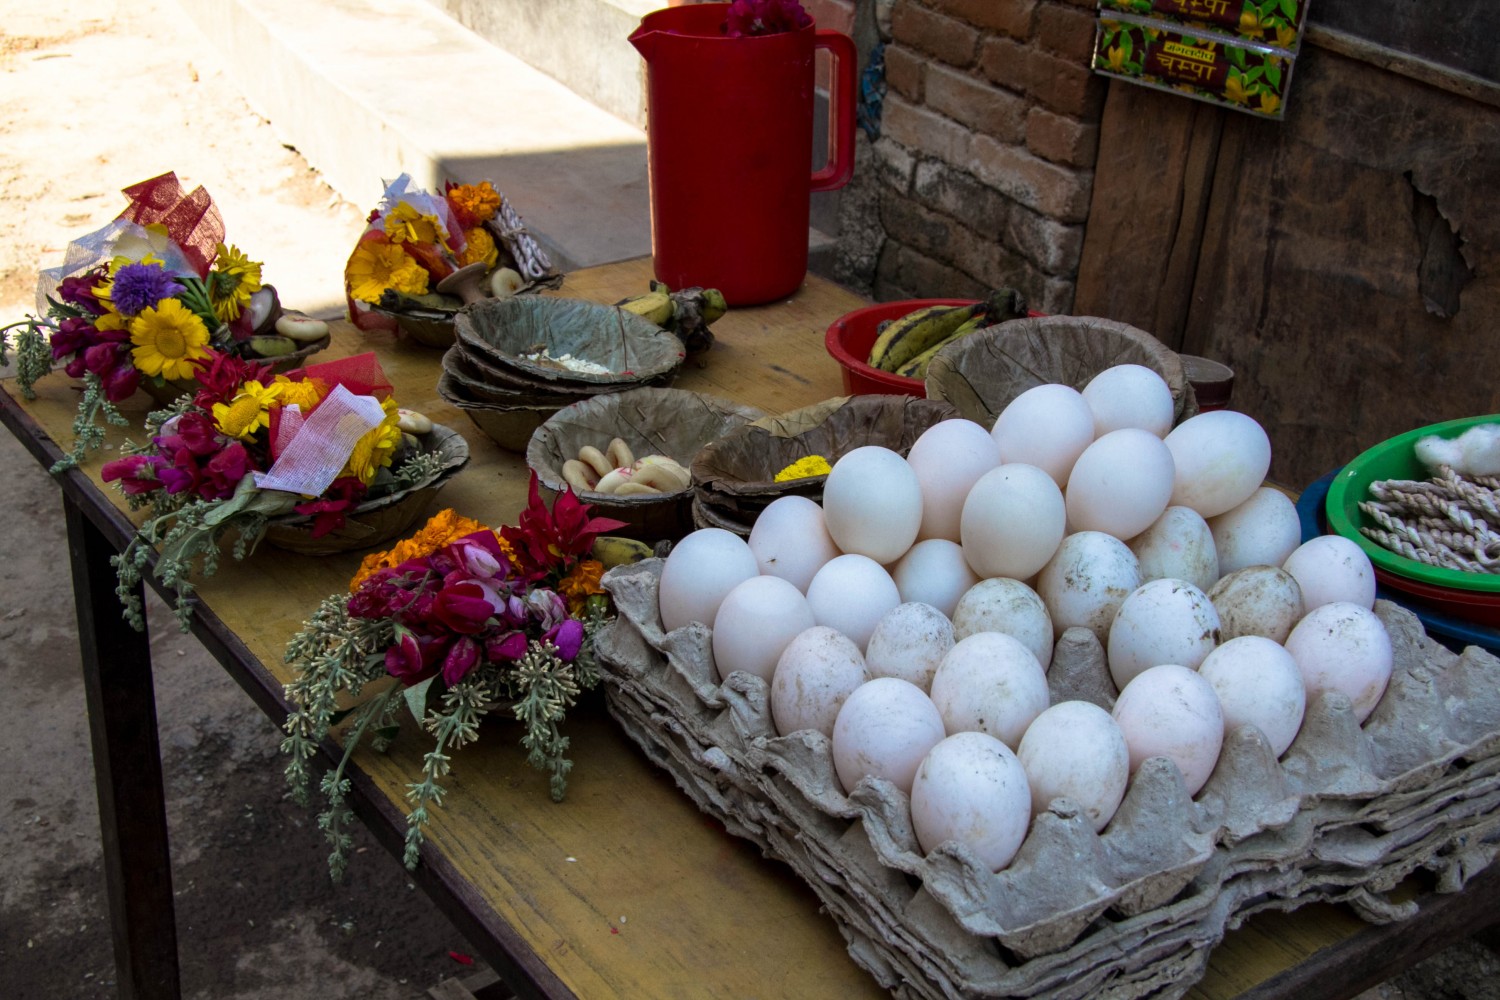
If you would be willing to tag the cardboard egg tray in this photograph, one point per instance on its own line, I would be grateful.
(1345, 815)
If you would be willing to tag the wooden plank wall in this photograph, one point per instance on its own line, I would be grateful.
(1312, 255)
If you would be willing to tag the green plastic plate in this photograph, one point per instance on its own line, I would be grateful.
(1395, 459)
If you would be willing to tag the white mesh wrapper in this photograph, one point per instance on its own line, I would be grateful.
(322, 446)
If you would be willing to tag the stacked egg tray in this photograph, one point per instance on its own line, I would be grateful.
(1345, 815)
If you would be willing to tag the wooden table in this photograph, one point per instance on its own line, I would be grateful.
(624, 889)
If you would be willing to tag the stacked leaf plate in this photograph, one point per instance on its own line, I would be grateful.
(517, 361)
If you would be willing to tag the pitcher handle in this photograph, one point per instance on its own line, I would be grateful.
(840, 166)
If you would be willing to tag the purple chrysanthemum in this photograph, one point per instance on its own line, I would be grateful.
(141, 286)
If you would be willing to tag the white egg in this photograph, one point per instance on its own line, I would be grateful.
(1262, 531)
(1173, 712)
(1086, 581)
(1164, 621)
(948, 458)
(817, 672)
(1075, 750)
(1012, 521)
(1001, 604)
(1332, 568)
(1120, 484)
(990, 683)
(1130, 396)
(1343, 647)
(909, 642)
(884, 729)
(1047, 426)
(1258, 684)
(970, 788)
(754, 623)
(852, 593)
(1257, 600)
(934, 571)
(1179, 545)
(1220, 457)
(790, 540)
(872, 503)
(699, 571)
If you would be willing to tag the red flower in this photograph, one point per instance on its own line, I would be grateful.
(545, 541)
(329, 511)
(223, 472)
(136, 473)
(221, 377)
(121, 380)
(408, 660)
(764, 17)
(462, 657)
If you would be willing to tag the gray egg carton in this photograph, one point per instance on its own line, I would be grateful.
(1345, 815)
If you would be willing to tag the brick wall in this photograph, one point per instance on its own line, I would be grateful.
(984, 165)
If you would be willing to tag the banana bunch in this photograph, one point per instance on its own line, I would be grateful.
(616, 471)
(687, 312)
(905, 345)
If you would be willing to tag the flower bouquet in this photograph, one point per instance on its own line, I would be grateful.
(306, 453)
(422, 257)
(452, 623)
(149, 301)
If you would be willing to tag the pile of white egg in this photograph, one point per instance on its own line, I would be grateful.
(911, 617)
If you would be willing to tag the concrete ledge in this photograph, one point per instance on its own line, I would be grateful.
(367, 89)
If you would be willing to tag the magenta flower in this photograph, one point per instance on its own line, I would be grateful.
(507, 646)
(223, 472)
(121, 380)
(764, 17)
(406, 660)
(463, 608)
(568, 638)
(135, 473)
(78, 291)
(72, 335)
(463, 656)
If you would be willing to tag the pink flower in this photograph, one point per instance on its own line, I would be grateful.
(223, 472)
(764, 17)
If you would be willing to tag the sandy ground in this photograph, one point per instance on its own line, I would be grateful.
(96, 95)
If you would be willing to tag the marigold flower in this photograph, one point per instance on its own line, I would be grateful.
(474, 203)
(479, 248)
(376, 265)
(442, 529)
(305, 394)
(581, 583)
(168, 339)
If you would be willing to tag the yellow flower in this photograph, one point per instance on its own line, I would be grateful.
(1117, 59)
(1269, 103)
(480, 248)
(804, 468)
(1286, 36)
(373, 451)
(376, 266)
(404, 224)
(306, 394)
(168, 339)
(233, 280)
(1234, 90)
(248, 411)
(1251, 24)
(445, 526)
(480, 201)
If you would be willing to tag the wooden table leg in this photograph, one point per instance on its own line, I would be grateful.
(127, 772)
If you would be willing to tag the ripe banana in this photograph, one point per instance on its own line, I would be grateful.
(655, 305)
(613, 550)
(915, 332)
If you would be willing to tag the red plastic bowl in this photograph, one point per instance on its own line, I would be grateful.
(851, 336)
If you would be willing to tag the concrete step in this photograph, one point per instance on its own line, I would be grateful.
(580, 43)
(368, 89)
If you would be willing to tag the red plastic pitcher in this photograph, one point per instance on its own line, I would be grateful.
(729, 130)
